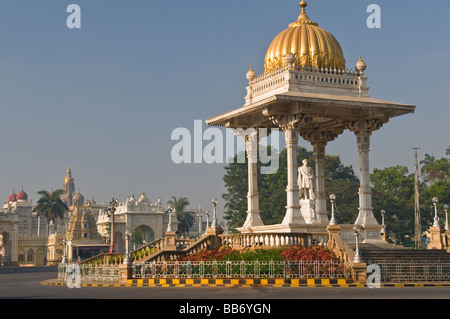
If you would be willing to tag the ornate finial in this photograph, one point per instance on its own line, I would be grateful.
(251, 75)
(361, 65)
(303, 17)
(303, 5)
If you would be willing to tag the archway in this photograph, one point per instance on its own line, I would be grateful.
(141, 235)
(30, 256)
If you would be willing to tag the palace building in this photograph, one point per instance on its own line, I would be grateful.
(27, 239)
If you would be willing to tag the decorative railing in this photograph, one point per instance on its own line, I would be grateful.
(413, 271)
(306, 75)
(89, 273)
(270, 240)
(242, 269)
(184, 248)
(337, 246)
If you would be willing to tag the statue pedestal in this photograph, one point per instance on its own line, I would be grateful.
(435, 238)
(308, 210)
(170, 240)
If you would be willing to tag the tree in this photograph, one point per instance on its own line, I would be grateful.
(393, 191)
(436, 170)
(186, 219)
(436, 174)
(50, 205)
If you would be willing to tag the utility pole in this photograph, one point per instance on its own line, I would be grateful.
(417, 223)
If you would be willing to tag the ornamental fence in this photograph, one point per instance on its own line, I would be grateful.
(89, 273)
(242, 269)
(413, 271)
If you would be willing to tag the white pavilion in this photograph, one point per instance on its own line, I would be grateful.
(307, 91)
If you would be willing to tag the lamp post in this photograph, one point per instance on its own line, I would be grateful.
(112, 209)
(436, 218)
(214, 220)
(127, 259)
(383, 230)
(446, 217)
(357, 258)
(333, 219)
(200, 217)
(64, 259)
(208, 213)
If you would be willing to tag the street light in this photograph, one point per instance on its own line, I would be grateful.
(333, 219)
(127, 259)
(112, 209)
(64, 259)
(208, 213)
(214, 220)
(357, 258)
(200, 217)
(436, 218)
(383, 230)
(446, 217)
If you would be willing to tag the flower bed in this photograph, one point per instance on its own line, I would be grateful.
(291, 254)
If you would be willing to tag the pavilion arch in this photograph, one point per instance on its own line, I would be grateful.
(147, 232)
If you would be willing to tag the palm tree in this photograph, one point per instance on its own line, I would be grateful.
(186, 219)
(427, 162)
(50, 205)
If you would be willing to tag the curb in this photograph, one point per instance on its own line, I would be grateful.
(256, 283)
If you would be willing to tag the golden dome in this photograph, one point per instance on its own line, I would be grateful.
(311, 45)
(68, 179)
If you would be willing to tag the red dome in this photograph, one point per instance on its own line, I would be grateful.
(22, 196)
(12, 197)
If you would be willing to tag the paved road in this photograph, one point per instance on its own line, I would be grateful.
(280, 300)
(28, 285)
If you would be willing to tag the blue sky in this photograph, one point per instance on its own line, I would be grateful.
(105, 98)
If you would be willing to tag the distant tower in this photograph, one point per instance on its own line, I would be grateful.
(68, 188)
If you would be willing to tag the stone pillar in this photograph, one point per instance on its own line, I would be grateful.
(251, 139)
(435, 238)
(293, 214)
(363, 130)
(319, 140)
(321, 197)
(360, 273)
(290, 124)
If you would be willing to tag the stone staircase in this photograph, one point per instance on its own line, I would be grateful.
(391, 252)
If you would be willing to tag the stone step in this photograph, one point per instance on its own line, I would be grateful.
(393, 252)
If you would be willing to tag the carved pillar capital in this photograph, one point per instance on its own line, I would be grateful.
(363, 126)
(290, 121)
(321, 137)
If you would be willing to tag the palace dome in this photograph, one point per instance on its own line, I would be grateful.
(78, 199)
(311, 45)
(68, 179)
(22, 196)
(12, 197)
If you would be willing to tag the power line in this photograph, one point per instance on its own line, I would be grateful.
(417, 223)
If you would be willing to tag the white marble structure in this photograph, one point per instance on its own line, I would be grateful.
(306, 91)
(131, 214)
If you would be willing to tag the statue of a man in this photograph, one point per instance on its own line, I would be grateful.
(305, 181)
